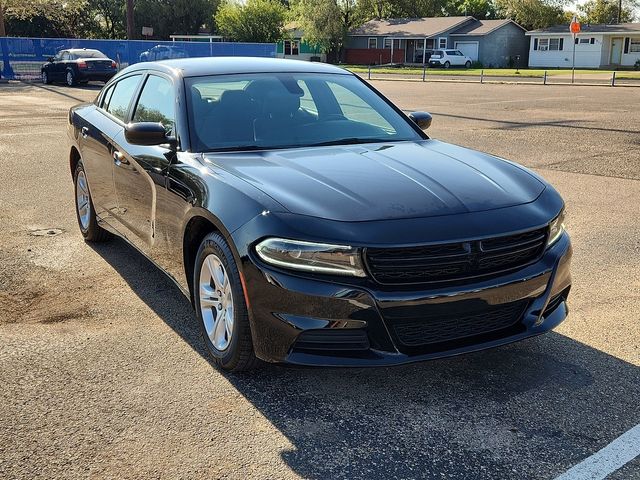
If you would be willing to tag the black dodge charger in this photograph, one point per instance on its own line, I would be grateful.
(311, 221)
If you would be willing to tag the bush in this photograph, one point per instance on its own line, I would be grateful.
(511, 62)
(637, 65)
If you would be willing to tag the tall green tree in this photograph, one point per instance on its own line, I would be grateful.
(56, 18)
(327, 22)
(168, 17)
(253, 21)
(532, 14)
(606, 11)
(480, 9)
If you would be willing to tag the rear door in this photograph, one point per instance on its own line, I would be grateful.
(102, 127)
(141, 170)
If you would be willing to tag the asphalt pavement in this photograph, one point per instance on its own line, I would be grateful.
(103, 374)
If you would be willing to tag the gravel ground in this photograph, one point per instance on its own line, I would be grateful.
(103, 374)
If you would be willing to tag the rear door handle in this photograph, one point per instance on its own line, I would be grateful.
(84, 132)
(119, 158)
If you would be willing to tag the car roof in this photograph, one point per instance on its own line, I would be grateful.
(196, 67)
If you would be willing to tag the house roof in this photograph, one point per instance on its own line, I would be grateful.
(597, 28)
(410, 27)
(484, 27)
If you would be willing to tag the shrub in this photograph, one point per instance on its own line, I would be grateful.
(637, 65)
(477, 64)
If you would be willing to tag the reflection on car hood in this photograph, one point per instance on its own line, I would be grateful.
(383, 181)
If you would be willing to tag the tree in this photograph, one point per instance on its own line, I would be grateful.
(605, 11)
(254, 21)
(480, 9)
(533, 14)
(327, 22)
(56, 18)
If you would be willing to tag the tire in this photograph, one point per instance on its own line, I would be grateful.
(91, 231)
(45, 77)
(468, 64)
(447, 64)
(234, 352)
(70, 78)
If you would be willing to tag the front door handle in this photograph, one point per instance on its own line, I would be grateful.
(84, 132)
(119, 158)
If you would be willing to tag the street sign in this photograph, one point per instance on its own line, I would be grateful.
(147, 31)
(574, 27)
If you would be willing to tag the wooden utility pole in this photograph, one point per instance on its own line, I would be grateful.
(3, 32)
(619, 11)
(131, 33)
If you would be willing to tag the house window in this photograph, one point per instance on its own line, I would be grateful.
(373, 42)
(387, 43)
(442, 42)
(634, 45)
(291, 47)
(585, 41)
(550, 44)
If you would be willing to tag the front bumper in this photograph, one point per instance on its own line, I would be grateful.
(361, 319)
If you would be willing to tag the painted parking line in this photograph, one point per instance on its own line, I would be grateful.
(615, 455)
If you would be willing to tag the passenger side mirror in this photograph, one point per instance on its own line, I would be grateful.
(422, 119)
(148, 133)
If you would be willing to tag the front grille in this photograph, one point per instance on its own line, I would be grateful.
(438, 328)
(455, 261)
(332, 339)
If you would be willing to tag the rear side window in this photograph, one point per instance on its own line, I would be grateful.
(118, 104)
(106, 97)
(156, 103)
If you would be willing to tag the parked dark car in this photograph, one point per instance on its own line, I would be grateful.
(311, 221)
(163, 52)
(78, 65)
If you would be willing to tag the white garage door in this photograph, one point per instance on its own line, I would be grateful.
(470, 49)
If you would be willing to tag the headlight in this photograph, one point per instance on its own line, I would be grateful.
(556, 228)
(311, 257)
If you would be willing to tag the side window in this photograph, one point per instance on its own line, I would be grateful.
(356, 109)
(58, 56)
(106, 97)
(156, 103)
(66, 56)
(121, 97)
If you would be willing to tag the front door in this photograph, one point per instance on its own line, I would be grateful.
(140, 170)
(616, 50)
(408, 53)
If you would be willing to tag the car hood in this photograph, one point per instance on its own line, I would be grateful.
(382, 181)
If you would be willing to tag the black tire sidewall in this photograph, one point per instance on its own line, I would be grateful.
(467, 64)
(215, 244)
(447, 64)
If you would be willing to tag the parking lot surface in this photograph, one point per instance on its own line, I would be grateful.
(103, 373)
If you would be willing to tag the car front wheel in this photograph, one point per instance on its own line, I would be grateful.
(87, 221)
(71, 78)
(221, 307)
(45, 77)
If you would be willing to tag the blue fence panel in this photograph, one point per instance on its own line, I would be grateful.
(21, 58)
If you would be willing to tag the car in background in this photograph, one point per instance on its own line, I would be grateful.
(449, 58)
(163, 52)
(78, 65)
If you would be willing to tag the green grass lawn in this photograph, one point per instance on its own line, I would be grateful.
(490, 72)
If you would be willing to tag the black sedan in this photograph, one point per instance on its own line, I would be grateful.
(311, 221)
(78, 65)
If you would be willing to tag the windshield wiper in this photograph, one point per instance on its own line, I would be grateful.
(349, 141)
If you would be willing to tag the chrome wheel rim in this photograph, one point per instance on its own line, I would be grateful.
(82, 200)
(216, 302)
(44, 77)
(69, 78)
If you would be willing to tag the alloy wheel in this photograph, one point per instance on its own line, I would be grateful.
(45, 78)
(83, 203)
(216, 302)
(70, 78)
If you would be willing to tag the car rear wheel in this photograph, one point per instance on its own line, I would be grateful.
(71, 78)
(87, 221)
(221, 307)
(468, 64)
(447, 64)
(45, 77)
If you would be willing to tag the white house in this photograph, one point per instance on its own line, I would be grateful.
(596, 46)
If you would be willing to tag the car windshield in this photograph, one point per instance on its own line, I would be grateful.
(280, 110)
(88, 54)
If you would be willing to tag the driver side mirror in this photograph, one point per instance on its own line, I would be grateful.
(422, 119)
(148, 133)
(50, 59)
